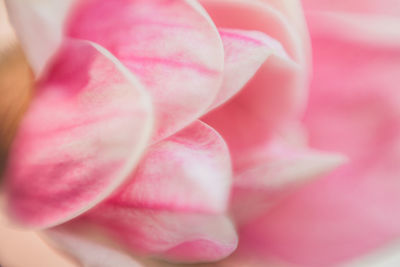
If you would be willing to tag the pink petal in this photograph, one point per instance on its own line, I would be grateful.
(84, 132)
(45, 16)
(261, 109)
(90, 253)
(172, 46)
(174, 206)
(189, 171)
(269, 16)
(275, 95)
(382, 30)
(384, 7)
(245, 52)
(354, 109)
(7, 35)
(293, 11)
(272, 172)
(173, 236)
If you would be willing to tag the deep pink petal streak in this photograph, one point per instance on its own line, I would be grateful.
(174, 206)
(171, 46)
(87, 126)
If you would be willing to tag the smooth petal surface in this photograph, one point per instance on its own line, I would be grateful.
(387, 257)
(7, 35)
(370, 7)
(173, 236)
(276, 93)
(293, 11)
(84, 132)
(90, 253)
(354, 109)
(173, 206)
(245, 52)
(268, 16)
(272, 172)
(172, 46)
(260, 109)
(190, 171)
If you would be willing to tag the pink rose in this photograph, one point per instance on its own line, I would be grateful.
(191, 131)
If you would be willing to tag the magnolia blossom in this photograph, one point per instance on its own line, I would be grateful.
(221, 132)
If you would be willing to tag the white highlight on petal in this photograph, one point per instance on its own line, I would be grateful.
(89, 253)
(39, 27)
(386, 257)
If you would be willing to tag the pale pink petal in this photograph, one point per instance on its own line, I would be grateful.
(174, 206)
(382, 30)
(245, 52)
(89, 253)
(172, 46)
(354, 110)
(388, 256)
(38, 25)
(273, 172)
(267, 103)
(173, 236)
(384, 7)
(293, 11)
(84, 132)
(7, 35)
(190, 171)
(276, 93)
(269, 16)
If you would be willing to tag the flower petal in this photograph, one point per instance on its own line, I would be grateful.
(370, 7)
(274, 171)
(189, 171)
(7, 35)
(173, 236)
(354, 110)
(174, 205)
(45, 16)
(84, 132)
(268, 16)
(89, 253)
(275, 95)
(245, 52)
(172, 46)
(260, 110)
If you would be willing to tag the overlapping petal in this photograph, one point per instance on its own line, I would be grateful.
(174, 206)
(353, 110)
(39, 27)
(172, 46)
(86, 128)
(190, 171)
(274, 171)
(274, 18)
(245, 52)
(276, 93)
(260, 110)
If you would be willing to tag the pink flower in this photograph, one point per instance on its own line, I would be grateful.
(192, 131)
